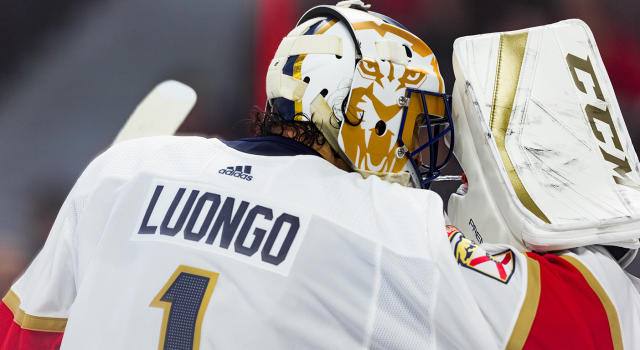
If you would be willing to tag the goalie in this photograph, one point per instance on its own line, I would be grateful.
(321, 231)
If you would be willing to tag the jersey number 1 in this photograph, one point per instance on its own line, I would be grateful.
(184, 299)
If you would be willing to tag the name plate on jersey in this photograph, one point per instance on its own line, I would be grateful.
(235, 225)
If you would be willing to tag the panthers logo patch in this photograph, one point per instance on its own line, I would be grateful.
(499, 266)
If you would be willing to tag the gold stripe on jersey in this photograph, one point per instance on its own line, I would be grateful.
(529, 307)
(30, 322)
(510, 56)
(610, 309)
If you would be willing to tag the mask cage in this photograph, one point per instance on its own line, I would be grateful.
(434, 124)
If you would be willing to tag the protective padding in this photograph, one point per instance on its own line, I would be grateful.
(542, 141)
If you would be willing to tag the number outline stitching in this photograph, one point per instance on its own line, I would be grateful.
(166, 305)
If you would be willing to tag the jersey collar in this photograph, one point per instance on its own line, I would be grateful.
(271, 146)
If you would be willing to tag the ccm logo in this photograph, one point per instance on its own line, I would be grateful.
(607, 145)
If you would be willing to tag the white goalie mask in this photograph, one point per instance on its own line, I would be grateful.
(372, 88)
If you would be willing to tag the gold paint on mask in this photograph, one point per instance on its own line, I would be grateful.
(297, 67)
(297, 73)
(378, 147)
(381, 149)
(417, 45)
(412, 77)
(434, 64)
(370, 69)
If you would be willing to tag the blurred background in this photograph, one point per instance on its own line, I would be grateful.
(71, 72)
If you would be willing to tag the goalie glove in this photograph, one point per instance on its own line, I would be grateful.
(542, 141)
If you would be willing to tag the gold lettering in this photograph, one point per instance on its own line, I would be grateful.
(622, 165)
(574, 63)
(622, 168)
(605, 117)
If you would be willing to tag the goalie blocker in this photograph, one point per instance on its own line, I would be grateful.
(548, 158)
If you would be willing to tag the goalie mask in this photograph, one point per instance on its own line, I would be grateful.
(372, 88)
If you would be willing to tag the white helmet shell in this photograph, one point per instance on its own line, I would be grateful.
(353, 73)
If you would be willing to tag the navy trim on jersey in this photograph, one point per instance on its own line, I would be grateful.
(270, 146)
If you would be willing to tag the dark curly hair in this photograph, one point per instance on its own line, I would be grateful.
(270, 122)
(304, 131)
(266, 123)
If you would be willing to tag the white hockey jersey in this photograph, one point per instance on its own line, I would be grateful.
(186, 243)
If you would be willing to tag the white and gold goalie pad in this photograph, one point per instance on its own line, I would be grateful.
(541, 138)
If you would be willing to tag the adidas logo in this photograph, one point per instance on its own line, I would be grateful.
(239, 171)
